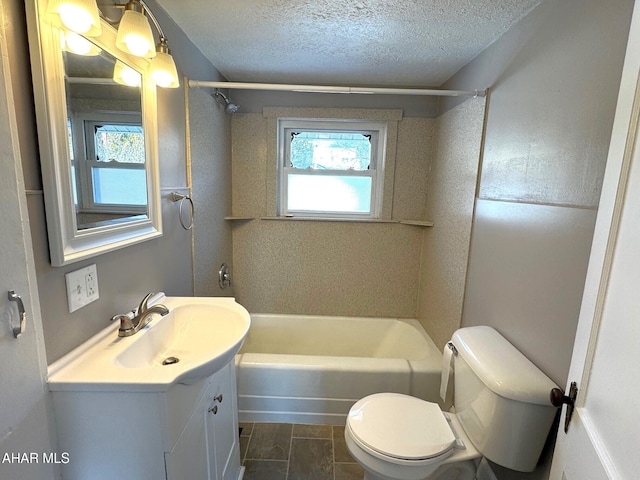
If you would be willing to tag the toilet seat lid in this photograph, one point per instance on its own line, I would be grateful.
(401, 426)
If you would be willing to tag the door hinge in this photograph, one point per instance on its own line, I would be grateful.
(558, 398)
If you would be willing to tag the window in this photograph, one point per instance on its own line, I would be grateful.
(115, 159)
(110, 174)
(331, 168)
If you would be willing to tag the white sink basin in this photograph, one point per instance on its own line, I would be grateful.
(195, 339)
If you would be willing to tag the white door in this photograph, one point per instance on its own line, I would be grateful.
(603, 439)
(23, 412)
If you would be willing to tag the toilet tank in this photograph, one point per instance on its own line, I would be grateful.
(501, 398)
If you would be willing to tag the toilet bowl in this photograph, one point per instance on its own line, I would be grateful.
(502, 412)
(399, 437)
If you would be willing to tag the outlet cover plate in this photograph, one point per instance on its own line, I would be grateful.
(82, 287)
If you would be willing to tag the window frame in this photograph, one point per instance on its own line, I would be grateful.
(378, 132)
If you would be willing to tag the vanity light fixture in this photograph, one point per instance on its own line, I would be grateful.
(134, 32)
(163, 68)
(135, 37)
(80, 16)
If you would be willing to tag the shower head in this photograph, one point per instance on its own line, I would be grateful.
(231, 108)
(228, 106)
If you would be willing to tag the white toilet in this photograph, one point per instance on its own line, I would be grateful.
(502, 411)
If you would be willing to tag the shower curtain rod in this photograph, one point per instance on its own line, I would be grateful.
(336, 89)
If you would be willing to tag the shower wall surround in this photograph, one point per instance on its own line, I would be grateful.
(353, 268)
(450, 199)
(210, 146)
(327, 268)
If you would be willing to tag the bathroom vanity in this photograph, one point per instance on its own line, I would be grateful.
(189, 431)
(125, 408)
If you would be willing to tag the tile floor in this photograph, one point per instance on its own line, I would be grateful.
(283, 451)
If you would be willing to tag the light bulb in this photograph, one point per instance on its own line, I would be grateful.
(79, 45)
(126, 75)
(163, 71)
(134, 34)
(80, 16)
(162, 78)
(75, 18)
(137, 45)
(131, 77)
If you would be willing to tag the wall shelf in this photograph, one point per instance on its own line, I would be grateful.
(323, 219)
(415, 223)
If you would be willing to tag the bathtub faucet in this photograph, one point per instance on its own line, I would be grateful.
(132, 322)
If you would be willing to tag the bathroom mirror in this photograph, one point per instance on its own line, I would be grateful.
(97, 139)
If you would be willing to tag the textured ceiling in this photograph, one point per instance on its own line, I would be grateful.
(344, 42)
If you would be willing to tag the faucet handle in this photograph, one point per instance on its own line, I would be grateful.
(143, 304)
(126, 322)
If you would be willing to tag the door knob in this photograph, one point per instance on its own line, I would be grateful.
(558, 398)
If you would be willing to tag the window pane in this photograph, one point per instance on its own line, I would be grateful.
(119, 186)
(119, 143)
(329, 193)
(74, 185)
(330, 150)
(70, 136)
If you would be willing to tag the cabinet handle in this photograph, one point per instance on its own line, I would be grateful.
(214, 409)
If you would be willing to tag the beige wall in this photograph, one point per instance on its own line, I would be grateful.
(210, 147)
(330, 268)
(450, 199)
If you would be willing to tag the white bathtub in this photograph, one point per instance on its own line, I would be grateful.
(312, 369)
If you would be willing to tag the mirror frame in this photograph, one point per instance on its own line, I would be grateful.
(67, 244)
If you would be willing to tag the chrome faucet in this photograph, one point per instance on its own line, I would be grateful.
(131, 323)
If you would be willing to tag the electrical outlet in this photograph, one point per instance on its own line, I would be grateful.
(82, 287)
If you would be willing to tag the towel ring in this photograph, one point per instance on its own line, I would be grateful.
(180, 197)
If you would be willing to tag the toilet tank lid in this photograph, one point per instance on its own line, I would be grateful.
(501, 366)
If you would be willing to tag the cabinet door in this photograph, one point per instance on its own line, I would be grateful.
(189, 457)
(222, 425)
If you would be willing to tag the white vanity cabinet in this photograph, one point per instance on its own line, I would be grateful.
(212, 428)
(186, 432)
